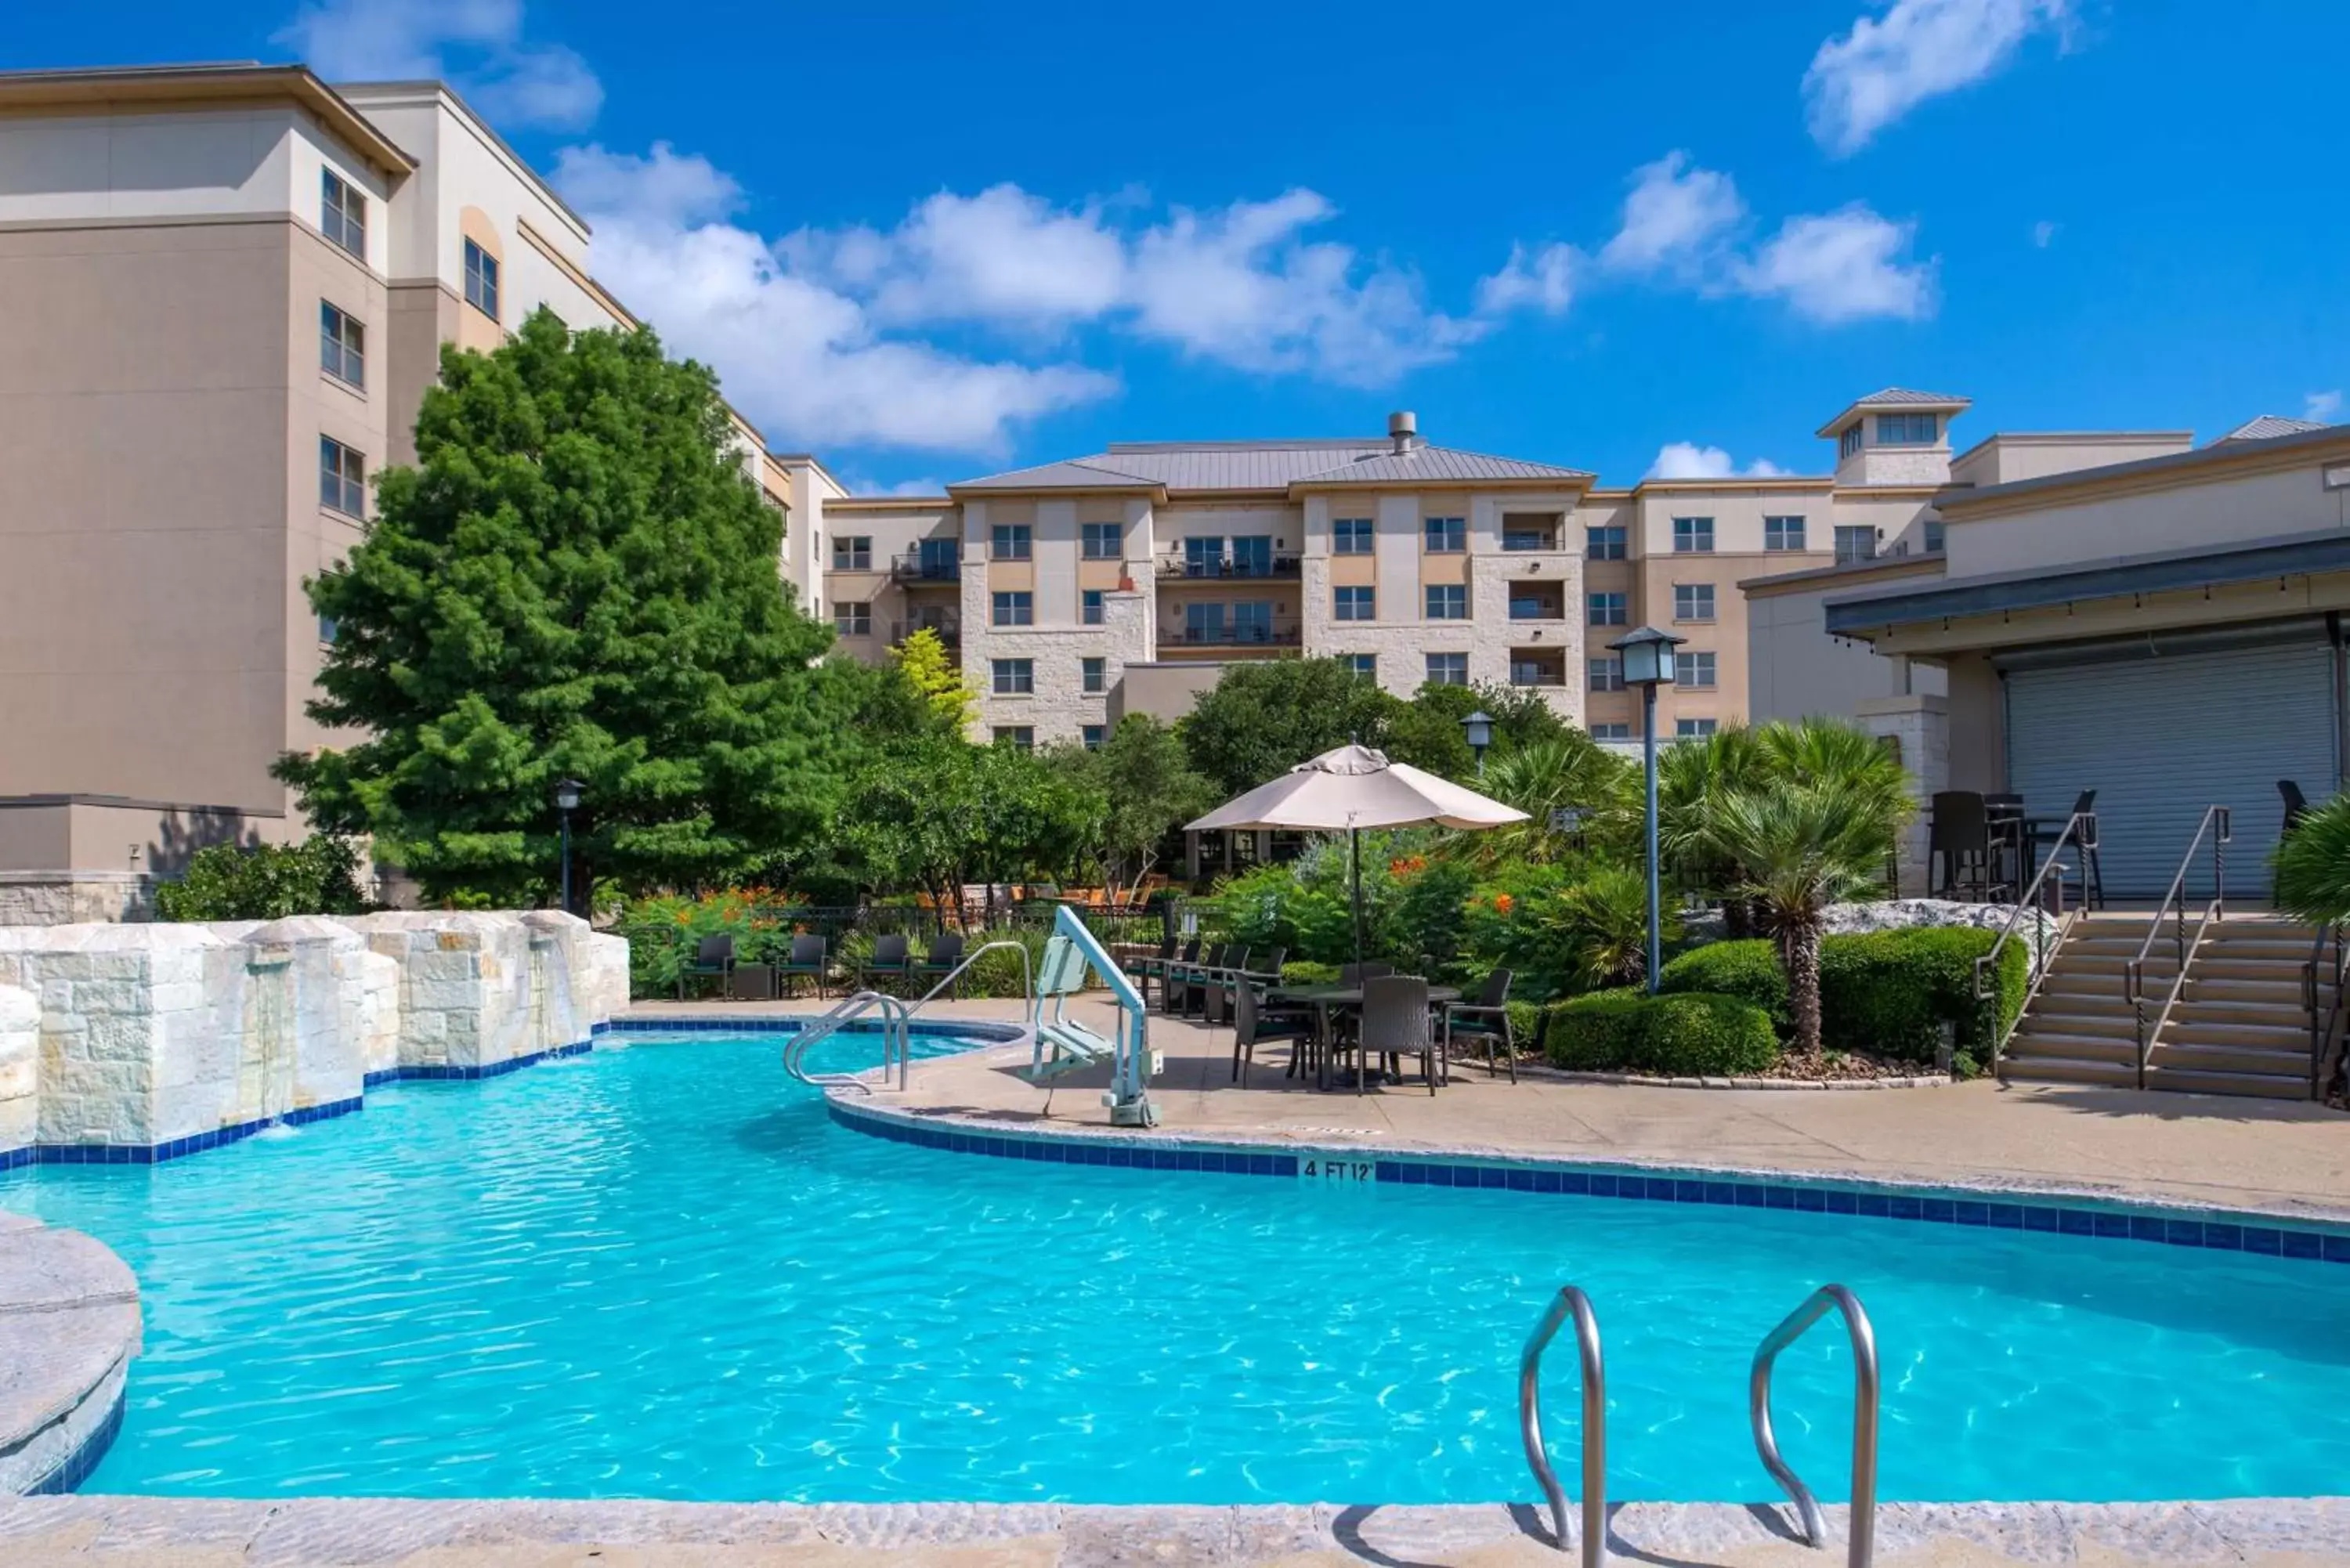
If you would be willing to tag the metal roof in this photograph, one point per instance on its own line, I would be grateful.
(1273, 466)
(1902, 397)
(2268, 427)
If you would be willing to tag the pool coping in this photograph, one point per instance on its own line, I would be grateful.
(70, 1325)
(467, 1532)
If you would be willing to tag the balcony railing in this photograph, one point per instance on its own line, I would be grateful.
(1215, 568)
(914, 568)
(949, 632)
(1536, 675)
(1536, 610)
(1243, 636)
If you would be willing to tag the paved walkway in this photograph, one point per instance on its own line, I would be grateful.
(2281, 1157)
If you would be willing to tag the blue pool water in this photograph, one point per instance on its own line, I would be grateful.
(663, 1272)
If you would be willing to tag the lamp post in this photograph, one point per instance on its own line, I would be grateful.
(567, 801)
(1479, 726)
(1648, 656)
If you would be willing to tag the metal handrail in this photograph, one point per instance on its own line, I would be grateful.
(2322, 1019)
(1862, 1537)
(1570, 1300)
(2216, 822)
(1027, 976)
(2081, 831)
(896, 1040)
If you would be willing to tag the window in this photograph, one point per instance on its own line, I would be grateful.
(1015, 677)
(1089, 606)
(342, 213)
(1102, 541)
(1446, 535)
(1692, 535)
(1448, 601)
(1782, 532)
(1204, 557)
(1850, 441)
(1854, 543)
(1691, 729)
(1607, 674)
(1694, 671)
(1447, 669)
(1203, 623)
(481, 280)
(342, 478)
(1095, 675)
(1252, 556)
(1350, 536)
(1355, 604)
(1611, 731)
(1253, 622)
(328, 629)
(852, 552)
(852, 619)
(1905, 430)
(1015, 609)
(1019, 737)
(939, 560)
(1604, 543)
(1009, 542)
(1936, 535)
(1609, 609)
(1366, 665)
(1692, 601)
(1093, 734)
(342, 345)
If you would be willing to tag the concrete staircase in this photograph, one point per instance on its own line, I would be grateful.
(2240, 1026)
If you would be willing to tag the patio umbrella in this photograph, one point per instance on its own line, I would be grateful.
(1355, 787)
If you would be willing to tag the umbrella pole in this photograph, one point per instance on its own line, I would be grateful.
(1355, 855)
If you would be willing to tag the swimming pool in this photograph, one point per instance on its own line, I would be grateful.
(662, 1270)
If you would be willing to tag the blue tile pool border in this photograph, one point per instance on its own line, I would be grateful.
(68, 1476)
(2219, 1230)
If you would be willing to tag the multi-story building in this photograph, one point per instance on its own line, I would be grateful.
(223, 290)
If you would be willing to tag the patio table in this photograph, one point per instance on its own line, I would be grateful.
(1326, 1001)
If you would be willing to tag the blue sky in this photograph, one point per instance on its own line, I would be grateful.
(932, 241)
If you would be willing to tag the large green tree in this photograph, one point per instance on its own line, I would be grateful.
(575, 579)
(1148, 788)
(937, 812)
(1263, 717)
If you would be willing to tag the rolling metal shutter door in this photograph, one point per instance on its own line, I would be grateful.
(2161, 738)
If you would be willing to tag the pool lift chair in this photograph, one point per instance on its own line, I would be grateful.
(1061, 1044)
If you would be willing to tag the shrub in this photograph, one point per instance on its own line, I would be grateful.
(1886, 994)
(318, 876)
(1684, 1034)
(1302, 971)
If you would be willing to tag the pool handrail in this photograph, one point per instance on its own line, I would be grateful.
(896, 1041)
(1570, 1301)
(1027, 976)
(1862, 1536)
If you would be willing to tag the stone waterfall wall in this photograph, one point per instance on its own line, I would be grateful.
(159, 1035)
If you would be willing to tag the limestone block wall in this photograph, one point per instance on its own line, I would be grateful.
(464, 984)
(20, 1058)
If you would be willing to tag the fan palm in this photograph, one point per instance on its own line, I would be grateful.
(1799, 847)
(2313, 864)
(1570, 771)
(1600, 925)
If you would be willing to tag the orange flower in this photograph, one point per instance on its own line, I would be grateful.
(1407, 865)
(1503, 903)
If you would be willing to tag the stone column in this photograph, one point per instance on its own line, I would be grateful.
(1919, 726)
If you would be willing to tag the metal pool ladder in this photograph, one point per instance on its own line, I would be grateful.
(1862, 1546)
(1570, 1301)
(896, 1024)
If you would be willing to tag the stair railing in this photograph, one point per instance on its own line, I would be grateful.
(2081, 831)
(2326, 1016)
(1569, 1301)
(2213, 828)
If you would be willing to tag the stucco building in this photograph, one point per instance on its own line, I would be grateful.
(223, 290)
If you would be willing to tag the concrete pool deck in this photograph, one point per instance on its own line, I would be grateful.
(2277, 1156)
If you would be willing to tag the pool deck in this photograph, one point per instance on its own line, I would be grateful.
(2281, 1158)
(187, 1533)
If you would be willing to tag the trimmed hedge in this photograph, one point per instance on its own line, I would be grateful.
(1686, 1034)
(1884, 992)
(1298, 971)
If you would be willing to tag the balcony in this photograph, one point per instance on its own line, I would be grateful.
(1537, 666)
(949, 630)
(1277, 634)
(1530, 601)
(915, 569)
(1179, 566)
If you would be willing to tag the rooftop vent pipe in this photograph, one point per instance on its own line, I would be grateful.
(1403, 430)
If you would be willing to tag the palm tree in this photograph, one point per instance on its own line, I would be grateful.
(1601, 927)
(1690, 775)
(1799, 847)
(2312, 865)
(1569, 771)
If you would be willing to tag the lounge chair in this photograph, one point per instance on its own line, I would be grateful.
(1254, 1025)
(712, 956)
(945, 953)
(1486, 1016)
(890, 957)
(808, 961)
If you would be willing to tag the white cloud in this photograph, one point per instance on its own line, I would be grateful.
(857, 485)
(1845, 266)
(1003, 255)
(478, 44)
(2044, 234)
(1687, 460)
(1676, 218)
(1886, 65)
(2325, 408)
(806, 360)
(1541, 280)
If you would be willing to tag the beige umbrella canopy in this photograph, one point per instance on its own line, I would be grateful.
(1355, 787)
